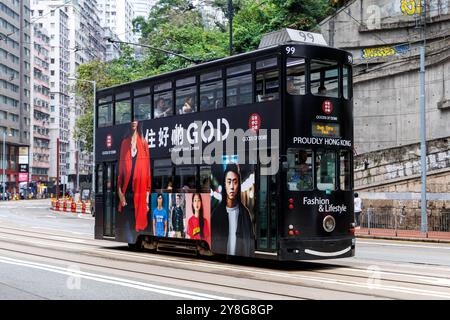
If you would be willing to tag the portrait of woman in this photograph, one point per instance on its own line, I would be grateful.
(198, 226)
(133, 182)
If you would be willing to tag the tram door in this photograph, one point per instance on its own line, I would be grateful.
(109, 209)
(266, 220)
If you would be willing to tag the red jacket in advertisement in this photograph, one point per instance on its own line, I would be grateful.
(141, 182)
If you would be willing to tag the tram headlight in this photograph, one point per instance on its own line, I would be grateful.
(329, 223)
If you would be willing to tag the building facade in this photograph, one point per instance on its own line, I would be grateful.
(15, 81)
(384, 37)
(40, 105)
(118, 16)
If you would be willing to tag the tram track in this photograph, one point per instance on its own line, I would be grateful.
(164, 258)
(180, 263)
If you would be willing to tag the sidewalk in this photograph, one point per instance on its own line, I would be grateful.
(409, 235)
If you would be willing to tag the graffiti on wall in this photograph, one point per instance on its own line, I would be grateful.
(411, 7)
(385, 51)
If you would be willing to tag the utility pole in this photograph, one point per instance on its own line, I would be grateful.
(230, 18)
(57, 168)
(423, 141)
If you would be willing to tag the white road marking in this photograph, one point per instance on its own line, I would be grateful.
(269, 274)
(403, 245)
(180, 293)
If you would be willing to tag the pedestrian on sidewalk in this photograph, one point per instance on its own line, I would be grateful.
(358, 207)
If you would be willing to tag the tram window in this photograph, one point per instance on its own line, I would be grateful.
(141, 91)
(267, 86)
(105, 115)
(185, 179)
(163, 86)
(267, 63)
(123, 111)
(185, 81)
(122, 95)
(163, 104)
(186, 101)
(239, 69)
(324, 78)
(326, 170)
(143, 108)
(239, 90)
(299, 170)
(295, 76)
(162, 179)
(205, 179)
(211, 95)
(105, 99)
(346, 81)
(211, 75)
(345, 173)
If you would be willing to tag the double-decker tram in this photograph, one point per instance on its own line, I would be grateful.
(249, 155)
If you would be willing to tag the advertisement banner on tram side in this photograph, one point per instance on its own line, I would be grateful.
(242, 127)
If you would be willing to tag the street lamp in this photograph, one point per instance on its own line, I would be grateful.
(4, 162)
(94, 83)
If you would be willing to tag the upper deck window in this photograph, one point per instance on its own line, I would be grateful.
(141, 91)
(123, 95)
(186, 100)
(239, 90)
(105, 99)
(123, 111)
(267, 85)
(163, 104)
(239, 69)
(211, 76)
(143, 108)
(295, 73)
(211, 95)
(267, 63)
(185, 81)
(324, 78)
(105, 115)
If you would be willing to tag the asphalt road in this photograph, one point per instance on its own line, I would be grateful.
(48, 255)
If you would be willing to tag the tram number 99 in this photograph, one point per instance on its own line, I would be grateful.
(307, 37)
(290, 50)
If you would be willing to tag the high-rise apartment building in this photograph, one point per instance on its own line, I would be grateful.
(76, 37)
(118, 15)
(40, 105)
(14, 91)
(53, 16)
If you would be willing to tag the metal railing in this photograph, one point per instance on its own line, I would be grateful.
(404, 218)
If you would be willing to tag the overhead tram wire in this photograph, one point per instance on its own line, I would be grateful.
(196, 61)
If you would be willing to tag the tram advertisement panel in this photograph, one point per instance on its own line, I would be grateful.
(233, 203)
(197, 131)
(187, 215)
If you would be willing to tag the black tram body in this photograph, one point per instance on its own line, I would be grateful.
(294, 218)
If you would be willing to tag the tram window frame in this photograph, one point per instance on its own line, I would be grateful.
(102, 124)
(214, 87)
(322, 186)
(180, 177)
(347, 92)
(142, 91)
(104, 100)
(296, 84)
(118, 112)
(323, 80)
(136, 107)
(293, 168)
(235, 95)
(261, 90)
(345, 179)
(168, 106)
(180, 98)
(167, 172)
